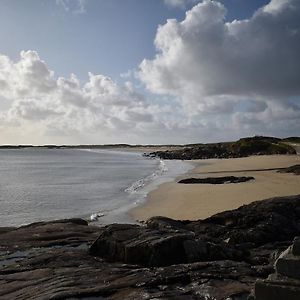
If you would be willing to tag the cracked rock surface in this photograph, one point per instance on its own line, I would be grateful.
(217, 258)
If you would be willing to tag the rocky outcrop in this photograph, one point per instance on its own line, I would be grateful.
(50, 260)
(260, 222)
(149, 247)
(71, 232)
(216, 180)
(218, 258)
(285, 282)
(293, 169)
(257, 145)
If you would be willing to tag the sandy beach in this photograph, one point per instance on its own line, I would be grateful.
(198, 201)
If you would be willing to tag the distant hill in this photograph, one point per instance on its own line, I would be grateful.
(292, 139)
(257, 145)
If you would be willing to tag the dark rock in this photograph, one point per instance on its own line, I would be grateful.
(51, 260)
(165, 223)
(258, 145)
(296, 246)
(6, 229)
(53, 233)
(285, 282)
(261, 222)
(138, 245)
(293, 169)
(72, 274)
(150, 247)
(276, 290)
(288, 265)
(216, 180)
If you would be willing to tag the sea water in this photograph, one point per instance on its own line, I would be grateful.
(98, 185)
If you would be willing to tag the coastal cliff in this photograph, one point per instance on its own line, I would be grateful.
(220, 257)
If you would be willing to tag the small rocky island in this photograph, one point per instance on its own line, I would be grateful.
(227, 256)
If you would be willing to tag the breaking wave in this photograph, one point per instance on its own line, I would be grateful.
(137, 185)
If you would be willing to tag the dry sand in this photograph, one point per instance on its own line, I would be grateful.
(198, 201)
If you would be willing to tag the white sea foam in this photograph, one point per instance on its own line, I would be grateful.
(166, 171)
(133, 188)
(94, 217)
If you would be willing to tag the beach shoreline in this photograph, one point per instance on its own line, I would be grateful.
(199, 201)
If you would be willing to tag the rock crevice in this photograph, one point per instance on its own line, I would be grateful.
(285, 282)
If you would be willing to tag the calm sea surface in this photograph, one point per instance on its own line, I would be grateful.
(44, 184)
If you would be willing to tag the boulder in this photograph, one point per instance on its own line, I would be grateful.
(139, 245)
(165, 223)
(276, 290)
(151, 247)
(285, 282)
(288, 264)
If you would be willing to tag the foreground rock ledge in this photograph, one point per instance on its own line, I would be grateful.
(217, 258)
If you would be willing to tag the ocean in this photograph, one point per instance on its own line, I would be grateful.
(97, 185)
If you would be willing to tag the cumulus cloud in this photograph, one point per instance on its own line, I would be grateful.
(98, 106)
(210, 80)
(205, 56)
(234, 76)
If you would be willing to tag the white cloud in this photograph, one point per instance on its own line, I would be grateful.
(204, 59)
(28, 73)
(179, 3)
(275, 6)
(62, 106)
(211, 80)
(73, 6)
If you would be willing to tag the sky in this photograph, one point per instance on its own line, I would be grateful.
(148, 71)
